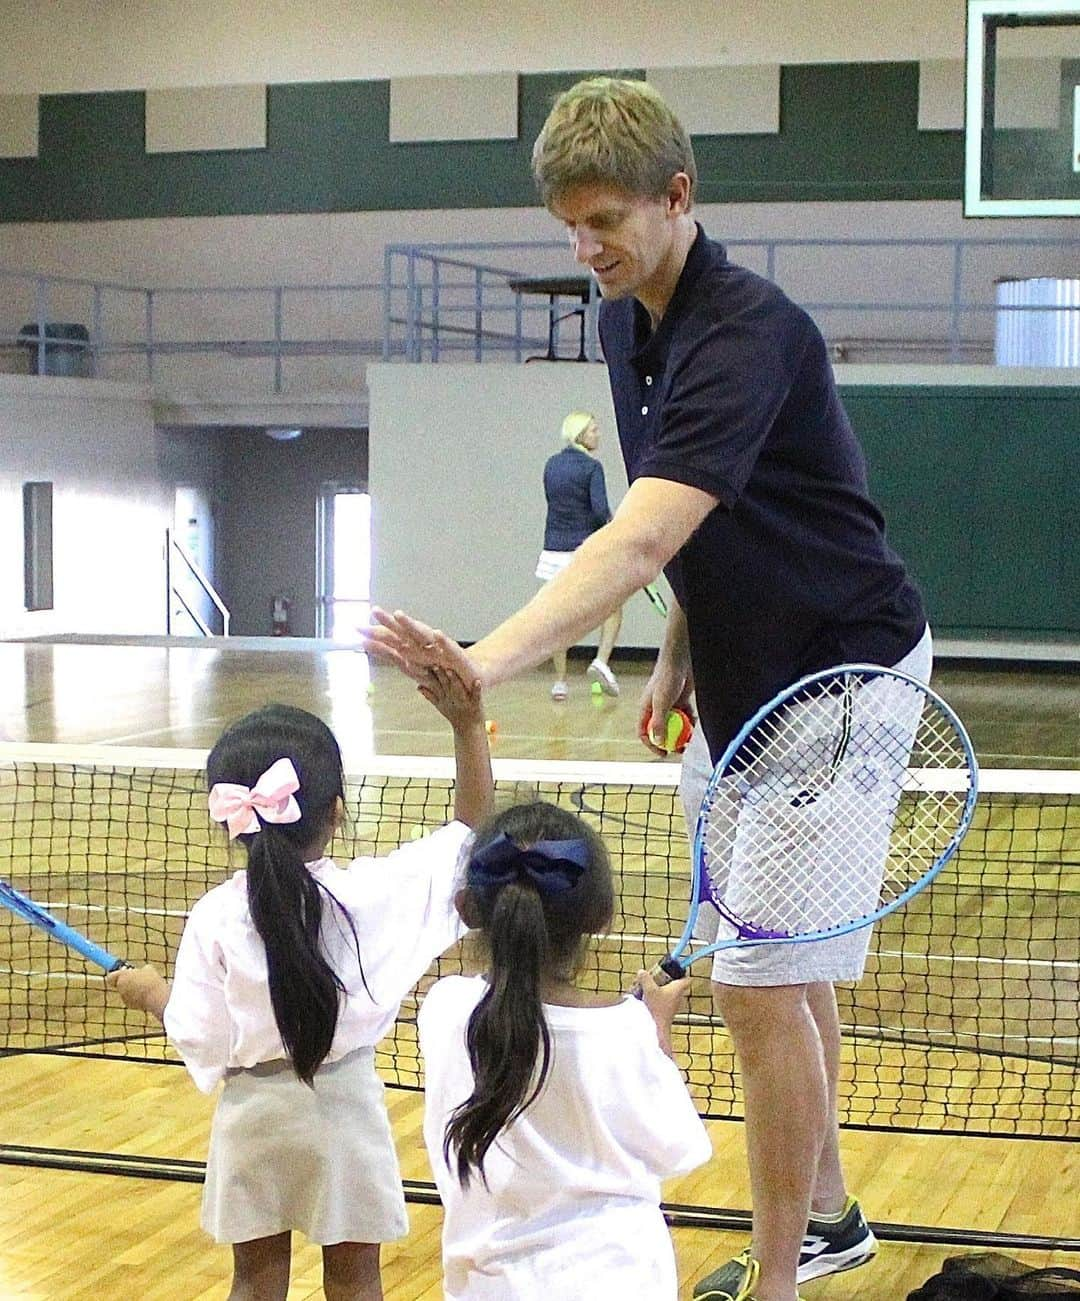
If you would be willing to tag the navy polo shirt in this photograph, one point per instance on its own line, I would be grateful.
(790, 573)
(577, 502)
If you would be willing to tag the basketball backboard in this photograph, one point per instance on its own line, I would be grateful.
(1022, 119)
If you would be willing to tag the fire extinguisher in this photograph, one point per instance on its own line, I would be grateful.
(279, 616)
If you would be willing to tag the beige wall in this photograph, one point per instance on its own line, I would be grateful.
(459, 546)
(95, 442)
(83, 45)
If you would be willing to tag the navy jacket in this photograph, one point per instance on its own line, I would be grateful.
(577, 502)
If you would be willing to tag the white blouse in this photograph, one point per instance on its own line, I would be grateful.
(219, 1014)
(572, 1198)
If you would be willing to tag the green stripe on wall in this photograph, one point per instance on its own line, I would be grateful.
(848, 131)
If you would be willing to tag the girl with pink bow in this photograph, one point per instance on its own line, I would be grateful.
(287, 976)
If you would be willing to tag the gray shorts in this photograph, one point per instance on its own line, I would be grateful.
(841, 958)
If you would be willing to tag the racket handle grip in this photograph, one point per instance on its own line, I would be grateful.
(663, 973)
(668, 970)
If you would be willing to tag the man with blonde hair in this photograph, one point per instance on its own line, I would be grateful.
(748, 488)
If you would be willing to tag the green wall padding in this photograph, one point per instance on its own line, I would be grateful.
(979, 490)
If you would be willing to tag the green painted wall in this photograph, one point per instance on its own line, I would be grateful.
(848, 131)
(979, 490)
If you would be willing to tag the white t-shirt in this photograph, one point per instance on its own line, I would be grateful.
(219, 1013)
(572, 1202)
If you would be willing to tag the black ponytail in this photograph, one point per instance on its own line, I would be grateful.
(285, 901)
(286, 907)
(531, 934)
(507, 1033)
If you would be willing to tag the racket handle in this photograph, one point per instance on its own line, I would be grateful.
(663, 973)
(668, 970)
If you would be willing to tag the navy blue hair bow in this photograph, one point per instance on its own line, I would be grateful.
(553, 866)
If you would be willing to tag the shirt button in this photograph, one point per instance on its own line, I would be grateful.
(644, 411)
(648, 379)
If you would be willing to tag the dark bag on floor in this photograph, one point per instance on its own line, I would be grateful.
(991, 1277)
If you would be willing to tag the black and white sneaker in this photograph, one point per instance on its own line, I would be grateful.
(832, 1248)
(827, 1249)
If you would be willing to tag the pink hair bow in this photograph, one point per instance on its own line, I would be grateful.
(269, 800)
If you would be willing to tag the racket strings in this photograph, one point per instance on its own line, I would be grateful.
(834, 807)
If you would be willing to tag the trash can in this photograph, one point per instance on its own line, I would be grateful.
(67, 349)
(1027, 336)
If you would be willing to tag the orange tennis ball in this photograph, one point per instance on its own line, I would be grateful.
(677, 731)
(491, 727)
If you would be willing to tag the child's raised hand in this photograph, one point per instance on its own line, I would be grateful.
(460, 703)
(143, 989)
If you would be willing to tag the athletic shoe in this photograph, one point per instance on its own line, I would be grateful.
(560, 691)
(734, 1281)
(831, 1248)
(726, 1283)
(599, 672)
(826, 1249)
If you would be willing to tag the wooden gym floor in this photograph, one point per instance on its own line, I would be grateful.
(155, 695)
(69, 1236)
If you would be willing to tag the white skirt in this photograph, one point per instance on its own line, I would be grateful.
(321, 1160)
(552, 563)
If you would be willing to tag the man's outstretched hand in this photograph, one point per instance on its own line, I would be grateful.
(415, 647)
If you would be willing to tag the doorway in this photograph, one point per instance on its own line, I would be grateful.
(193, 529)
(343, 561)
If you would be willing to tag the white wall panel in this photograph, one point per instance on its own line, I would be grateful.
(722, 101)
(18, 126)
(197, 118)
(941, 94)
(454, 108)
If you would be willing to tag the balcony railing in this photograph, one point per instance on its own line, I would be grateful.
(884, 300)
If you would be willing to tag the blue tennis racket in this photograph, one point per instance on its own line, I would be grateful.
(838, 801)
(32, 912)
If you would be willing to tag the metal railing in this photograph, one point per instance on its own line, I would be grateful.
(449, 300)
(173, 593)
(271, 322)
(918, 300)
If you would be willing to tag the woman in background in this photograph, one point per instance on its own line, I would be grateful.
(577, 506)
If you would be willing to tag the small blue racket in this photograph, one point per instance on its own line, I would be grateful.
(32, 912)
(838, 801)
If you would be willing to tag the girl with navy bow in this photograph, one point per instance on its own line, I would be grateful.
(551, 1113)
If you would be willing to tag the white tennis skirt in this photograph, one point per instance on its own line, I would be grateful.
(321, 1160)
(842, 958)
(552, 563)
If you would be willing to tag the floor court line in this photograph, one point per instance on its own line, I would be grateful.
(153, 731)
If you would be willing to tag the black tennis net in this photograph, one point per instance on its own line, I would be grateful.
(967, 1019)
